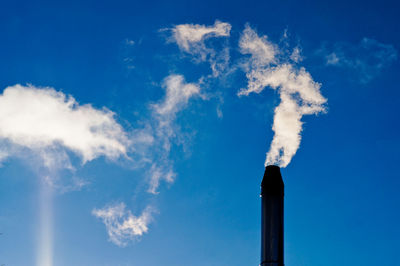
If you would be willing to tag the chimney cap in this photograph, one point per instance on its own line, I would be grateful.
(272, 182)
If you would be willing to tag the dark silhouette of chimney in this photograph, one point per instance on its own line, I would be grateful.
(272, 189)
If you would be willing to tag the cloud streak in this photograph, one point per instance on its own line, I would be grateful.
(366, 59)
(299, 93)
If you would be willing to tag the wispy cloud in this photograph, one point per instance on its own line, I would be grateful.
(299, 93)
(152, 146)
(191, 39)
(296, 56)
(177, 95)
(122, 226)
(365, 59)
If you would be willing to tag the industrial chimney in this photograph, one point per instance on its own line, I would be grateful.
(272, 217)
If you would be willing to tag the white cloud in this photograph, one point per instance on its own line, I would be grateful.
(160, 171)
(299, 93)
(365, 59)
(43, 119)
(332, 59)
(191, 39)
(192, 36)
(296, 55)
(122, 226)
(177, 95)
(129, 42)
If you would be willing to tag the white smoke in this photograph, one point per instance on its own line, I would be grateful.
(299, 93)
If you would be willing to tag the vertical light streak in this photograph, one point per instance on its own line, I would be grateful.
(45, 232)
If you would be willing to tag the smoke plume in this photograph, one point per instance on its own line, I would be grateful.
(299, 93)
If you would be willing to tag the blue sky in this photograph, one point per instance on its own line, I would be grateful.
(157, 160)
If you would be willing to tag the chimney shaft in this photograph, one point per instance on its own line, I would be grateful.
(272, 190)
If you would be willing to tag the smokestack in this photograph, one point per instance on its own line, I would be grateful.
(272, 217)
